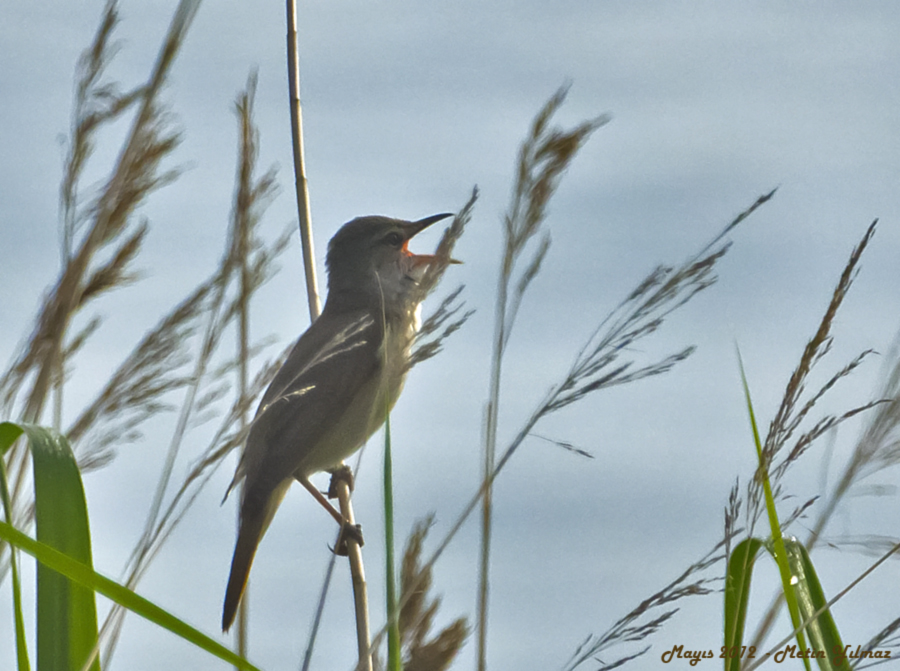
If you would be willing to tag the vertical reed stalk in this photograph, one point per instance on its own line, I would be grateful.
(309, 264)
(300, 183)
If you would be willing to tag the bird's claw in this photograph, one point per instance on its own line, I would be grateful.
(349, 532)
(341, 473)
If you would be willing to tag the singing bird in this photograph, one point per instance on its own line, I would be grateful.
(338, 382)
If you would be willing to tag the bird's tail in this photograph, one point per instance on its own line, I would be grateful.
(255, 520)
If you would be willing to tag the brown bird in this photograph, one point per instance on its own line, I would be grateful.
(337, 384)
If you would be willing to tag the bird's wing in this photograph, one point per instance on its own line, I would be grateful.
(322, 375)
(324, 372)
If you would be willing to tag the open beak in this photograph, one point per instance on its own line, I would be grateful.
(415, 227)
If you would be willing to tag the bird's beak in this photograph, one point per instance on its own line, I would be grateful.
(415, 227)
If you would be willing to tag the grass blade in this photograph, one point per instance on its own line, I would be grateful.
(823, 632)
(66, 611)
(67, 628)
(9, 433)
(123, 596)
(777, 546)
(737, 595)
(393, 620)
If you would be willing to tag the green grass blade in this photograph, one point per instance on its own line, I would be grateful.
(393, 618)
(123, 596)
(66, 611)
(63, 550)
(737, 595)
(777, 549)
(823, 632)
(8, 435)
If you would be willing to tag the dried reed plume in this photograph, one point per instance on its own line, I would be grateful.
(422, 650)
(100, 239)
(445, 320)
(543, 159)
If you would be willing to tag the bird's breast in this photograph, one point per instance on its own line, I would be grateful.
(369, 407)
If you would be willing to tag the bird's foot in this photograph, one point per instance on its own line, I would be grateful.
(341, 473)
(349, 532)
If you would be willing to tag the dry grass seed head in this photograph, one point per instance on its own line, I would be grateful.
(418, 611)
(785, 422)
(445, 320)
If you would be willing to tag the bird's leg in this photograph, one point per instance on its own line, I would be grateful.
(352, 531)
(318, 496)
(342, 472)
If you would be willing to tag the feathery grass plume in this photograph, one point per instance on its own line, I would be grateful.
(598, 364)
(250, 262)
(596, 367)
(444, 251)
(103, 227)
(136, 389)
(790, 413)
(95, 104)
(443, 321)
(423, 651)
(107, 217)
(543, 159)
(243, 250)
(243, 200)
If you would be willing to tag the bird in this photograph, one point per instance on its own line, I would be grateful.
(337, 384)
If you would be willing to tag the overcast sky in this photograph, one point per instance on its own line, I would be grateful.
(407, 106)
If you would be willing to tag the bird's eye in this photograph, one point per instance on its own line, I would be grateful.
(394, 239)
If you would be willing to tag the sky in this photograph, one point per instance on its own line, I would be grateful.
(409, 105)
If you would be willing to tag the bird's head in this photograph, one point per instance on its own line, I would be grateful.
(368, 260)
